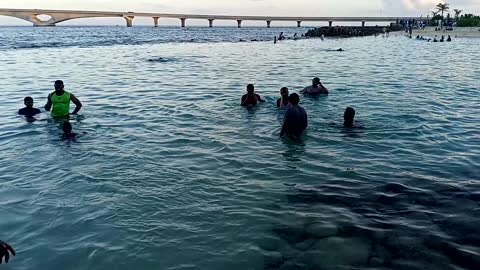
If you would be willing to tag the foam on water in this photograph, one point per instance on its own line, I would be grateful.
(172, 173)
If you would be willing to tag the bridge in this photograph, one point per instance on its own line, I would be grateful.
(35, 16)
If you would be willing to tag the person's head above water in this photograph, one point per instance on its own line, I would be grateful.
(67, 127)
(348, 117)
(294, 98)
(316, 81)
(284, 92)
(250, 88)
(59, 87)
(28, 101)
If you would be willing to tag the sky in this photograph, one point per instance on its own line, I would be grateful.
(239, 7)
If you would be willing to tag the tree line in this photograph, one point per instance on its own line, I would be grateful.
(465, 20)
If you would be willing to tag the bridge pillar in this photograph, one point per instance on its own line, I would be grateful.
(330, 23)
(210, 22)
(155, 21)
(299, 23)
(129, 20)
(268, 24)
(183, 21)
(239, 22)
(363, 23)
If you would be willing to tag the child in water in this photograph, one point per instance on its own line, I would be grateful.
(67, 131)
(28, 111)
(348, 118)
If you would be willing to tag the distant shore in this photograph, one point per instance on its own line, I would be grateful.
(460, 32)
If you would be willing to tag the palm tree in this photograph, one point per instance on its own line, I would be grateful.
(457, 13)
(443, 7)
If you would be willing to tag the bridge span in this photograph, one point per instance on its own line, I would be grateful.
(58, 16)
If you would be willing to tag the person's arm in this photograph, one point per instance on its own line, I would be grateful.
(77, 103)
(306, 120)
(284, 129)
(284, 126)
(244, 100)
(5, 249)
(278, 102)
(48, 106)
(259, 98)
(324, 89)
(304, 91)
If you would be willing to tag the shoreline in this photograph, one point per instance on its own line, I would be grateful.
(458, 32)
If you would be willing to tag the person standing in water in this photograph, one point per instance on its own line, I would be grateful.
(59, 101)
(251, 98)
(29, 111)
(349, 118)
(296, 120)
(315, 89)
(67, 131)
(283, 102)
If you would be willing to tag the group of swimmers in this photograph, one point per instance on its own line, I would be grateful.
(58, 102)
(296, 120)
(442, 39)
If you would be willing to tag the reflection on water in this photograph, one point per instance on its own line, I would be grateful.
(295, 150)
(170, 172)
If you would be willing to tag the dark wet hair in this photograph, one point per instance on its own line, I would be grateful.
(316, 79)
(250, 87)
(294, 98)
(28, 99)
(67, 127)
(58, 82)
(283, 89)
(349, 113)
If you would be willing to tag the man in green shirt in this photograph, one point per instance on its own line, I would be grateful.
(59, 101)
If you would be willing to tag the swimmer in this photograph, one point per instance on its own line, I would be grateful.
(251, 98)
(442, 39)
(5, 250)
(28, 111)
(340, 50)
(296, 119)
(67, 131)
(315, 89)
(348, 118)
(59, 101)
(449, 39)
(282, 103)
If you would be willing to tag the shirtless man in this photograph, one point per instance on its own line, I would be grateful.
(251, 98)
(315, 89)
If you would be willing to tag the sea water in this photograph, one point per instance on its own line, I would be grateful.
(169, 172)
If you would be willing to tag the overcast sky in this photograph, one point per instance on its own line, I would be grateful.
(241, 7)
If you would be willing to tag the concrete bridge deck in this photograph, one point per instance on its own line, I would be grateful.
(57, 16)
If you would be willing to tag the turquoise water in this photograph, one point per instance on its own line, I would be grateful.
(169, 172)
